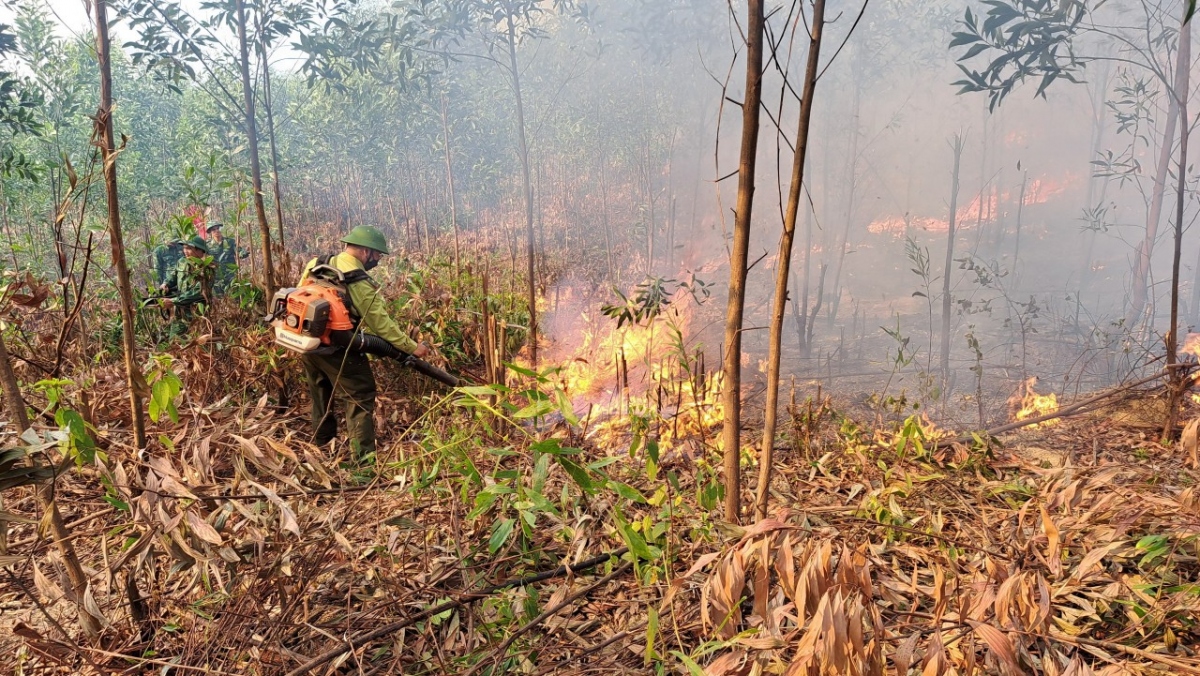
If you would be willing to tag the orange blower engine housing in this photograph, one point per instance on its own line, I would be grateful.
(305, 317)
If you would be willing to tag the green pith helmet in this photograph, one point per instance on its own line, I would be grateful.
(197, 243)
(368, 236)
(215, 225)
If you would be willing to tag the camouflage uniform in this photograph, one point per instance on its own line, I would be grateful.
(225, 254)
(347, 376)
(165, 258)
(186, 287)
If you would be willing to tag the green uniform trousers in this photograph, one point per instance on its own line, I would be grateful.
(347, 377)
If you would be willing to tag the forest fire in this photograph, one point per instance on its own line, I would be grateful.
(1191, 345)
(644, 372)
(1027, 403)
(987, 207)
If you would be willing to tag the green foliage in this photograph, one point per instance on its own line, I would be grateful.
(1031, 39)
(76, 442)
(165, 387)
(651, 297)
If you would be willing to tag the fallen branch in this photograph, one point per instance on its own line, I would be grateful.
(1176, 666)
(499, 652)
(1063, 412)
(465, 598)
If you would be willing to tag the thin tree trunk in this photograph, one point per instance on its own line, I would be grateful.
(731, 397)
(945, 348)
(15, 405)
(450, 181)
(260, 208)
(852, 181)
(783, 269)
(1017, 242)
(133, 376)
(1145, 248)
(523, 150)
(1180, 96)
(278, 192)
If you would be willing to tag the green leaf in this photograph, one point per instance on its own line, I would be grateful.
(578, 474)
(501, 531)
(693, 668)
(626, 491)
(651, 635)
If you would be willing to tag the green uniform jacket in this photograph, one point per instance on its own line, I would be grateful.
(368, 303)
(165, 258)
(185, 286)
(227, 252)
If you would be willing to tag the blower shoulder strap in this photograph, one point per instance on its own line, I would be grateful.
(324, 269)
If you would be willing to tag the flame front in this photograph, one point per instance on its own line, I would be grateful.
(1030, 404)
(645, 374)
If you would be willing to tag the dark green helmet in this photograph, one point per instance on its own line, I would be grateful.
(367, 236)
(197, 243)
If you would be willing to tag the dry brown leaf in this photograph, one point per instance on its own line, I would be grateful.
(287, 518)
(1054, 544)
(906, 654)
(204, 531)
(1000, 646)
(1190, 441)
(732, 663)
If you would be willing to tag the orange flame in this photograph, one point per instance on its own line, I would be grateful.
(1191, 345)
(612, 374)
(1030, 404)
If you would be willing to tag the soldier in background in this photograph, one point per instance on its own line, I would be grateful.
(225, 253)
(188, 287)
(166, 255)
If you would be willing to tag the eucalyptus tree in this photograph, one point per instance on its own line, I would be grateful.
(1049, 40)
(731, 396)
(816, 32)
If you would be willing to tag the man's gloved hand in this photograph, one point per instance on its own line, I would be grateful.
(422, 351)
(166, 303)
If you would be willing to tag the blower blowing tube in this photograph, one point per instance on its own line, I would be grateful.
(366, 343)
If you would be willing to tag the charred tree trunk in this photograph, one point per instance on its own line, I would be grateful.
(783, 269)
(260, 209)
(1180, 96)
(957, 145)
(731, 397)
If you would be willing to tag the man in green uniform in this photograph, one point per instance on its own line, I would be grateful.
(166, 255)
(225, 253)
(185, 288)
(347, 375)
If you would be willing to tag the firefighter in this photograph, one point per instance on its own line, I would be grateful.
(186, 287)
(225, 253)
(166, 255)
(346, 375)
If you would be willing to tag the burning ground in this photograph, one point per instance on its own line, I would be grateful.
(1066, 550)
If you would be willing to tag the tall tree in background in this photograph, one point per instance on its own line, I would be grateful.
(957, 146)
(505, 23)
(783, 269)
(108, 150)
(731, 397)
(251, 127)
